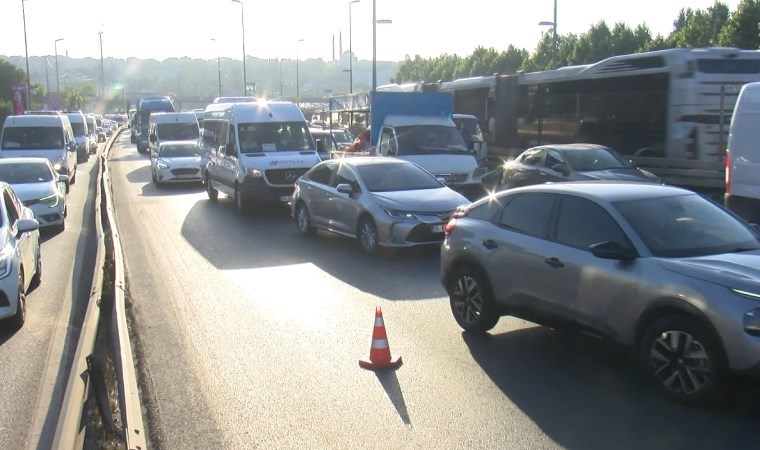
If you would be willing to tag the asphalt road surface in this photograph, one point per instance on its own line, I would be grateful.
(250, 335)
(35, 360)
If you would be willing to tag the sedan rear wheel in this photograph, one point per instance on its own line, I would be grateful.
(368, 235)
(303, 220)
(212, 193)
(471, 300)
(683, 359)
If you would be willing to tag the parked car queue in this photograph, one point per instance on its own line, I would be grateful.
(670, 275)
(39, 155)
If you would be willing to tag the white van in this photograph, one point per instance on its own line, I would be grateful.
(81, 135)
(743, 156)
(264, 147)
(43, 136)
(171, 126)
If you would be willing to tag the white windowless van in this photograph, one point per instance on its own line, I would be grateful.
(743, 155)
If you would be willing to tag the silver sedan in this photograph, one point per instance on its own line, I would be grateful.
(380, 201)
(176, 161)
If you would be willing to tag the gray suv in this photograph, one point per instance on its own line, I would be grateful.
(667, 273)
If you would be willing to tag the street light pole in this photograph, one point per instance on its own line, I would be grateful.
(218, 68)
(374, 45)
(242, 22)
(554, 37)
(26, 49)
(57, 78)
(298, 92)
(350, 50)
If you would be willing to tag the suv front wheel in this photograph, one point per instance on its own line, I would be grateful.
(683, 359)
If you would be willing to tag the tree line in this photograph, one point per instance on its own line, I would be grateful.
(710, 27)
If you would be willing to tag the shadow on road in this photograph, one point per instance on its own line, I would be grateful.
(389, 381)
(585, 394)
(269, 238)
(151, 190)
(130, 157)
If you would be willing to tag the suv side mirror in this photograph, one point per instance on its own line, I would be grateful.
(612, 250)
(230, 150)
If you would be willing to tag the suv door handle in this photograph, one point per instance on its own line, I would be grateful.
(489, 244)
(554, 262)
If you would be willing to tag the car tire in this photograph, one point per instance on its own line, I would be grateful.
(303, 220)
(693, 375)
(211, 191)
(367, 235)
(241, 203)
(68, 187)
(37, 278)
(19, 318)
(471, 299)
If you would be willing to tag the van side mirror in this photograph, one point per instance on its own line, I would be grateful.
(26, 225)
(63, 178)
(153, 138)
(230, 150)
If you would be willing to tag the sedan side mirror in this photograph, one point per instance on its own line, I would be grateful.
(561, 168)
(612, 250)
(344, 188)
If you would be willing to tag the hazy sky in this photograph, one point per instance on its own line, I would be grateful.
(175, 28)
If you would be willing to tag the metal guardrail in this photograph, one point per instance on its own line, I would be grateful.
(70, 429)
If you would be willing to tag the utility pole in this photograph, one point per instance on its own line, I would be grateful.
(102, 74)
(26, 49)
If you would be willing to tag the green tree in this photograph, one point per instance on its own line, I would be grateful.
(9, 75)
(743, 27)
(72, 99)
(699, 28)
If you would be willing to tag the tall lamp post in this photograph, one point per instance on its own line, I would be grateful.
(218, 69)
(298, 87)
(57, 78)
(554, 35)
(374, 42)
(242, 22)
(26, 49)
(350, 50)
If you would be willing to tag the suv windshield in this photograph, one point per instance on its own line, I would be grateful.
(686, 226)
(23, 173)
(77, 128)
(390, 177)
(177, 131)
(429, 139)
(32, 138)
(274, 137)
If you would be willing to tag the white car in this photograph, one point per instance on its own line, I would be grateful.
(20, 260)
(39, 187)
(176, 161)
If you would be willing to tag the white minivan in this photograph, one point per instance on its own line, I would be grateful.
(264, 147)
(743, 156)
(42, 136)
(171, 126)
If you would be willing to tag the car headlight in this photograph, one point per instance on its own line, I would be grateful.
(396, 214)
(51, 200)
(162, 165)
(747, 294)
(256, 173)
(5, 264)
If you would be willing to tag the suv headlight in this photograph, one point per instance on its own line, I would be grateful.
(396, 214)
(256, 173)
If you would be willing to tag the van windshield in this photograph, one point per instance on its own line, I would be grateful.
(78, 128)
(177, 131)
(32, 138)
(274, 137)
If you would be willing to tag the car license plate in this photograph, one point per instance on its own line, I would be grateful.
(285, 198)
(187, 176)
(438, 228)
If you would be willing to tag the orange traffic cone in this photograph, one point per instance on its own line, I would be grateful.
(379, 352)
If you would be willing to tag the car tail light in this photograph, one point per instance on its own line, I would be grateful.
(452, 223)
(728, 173)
